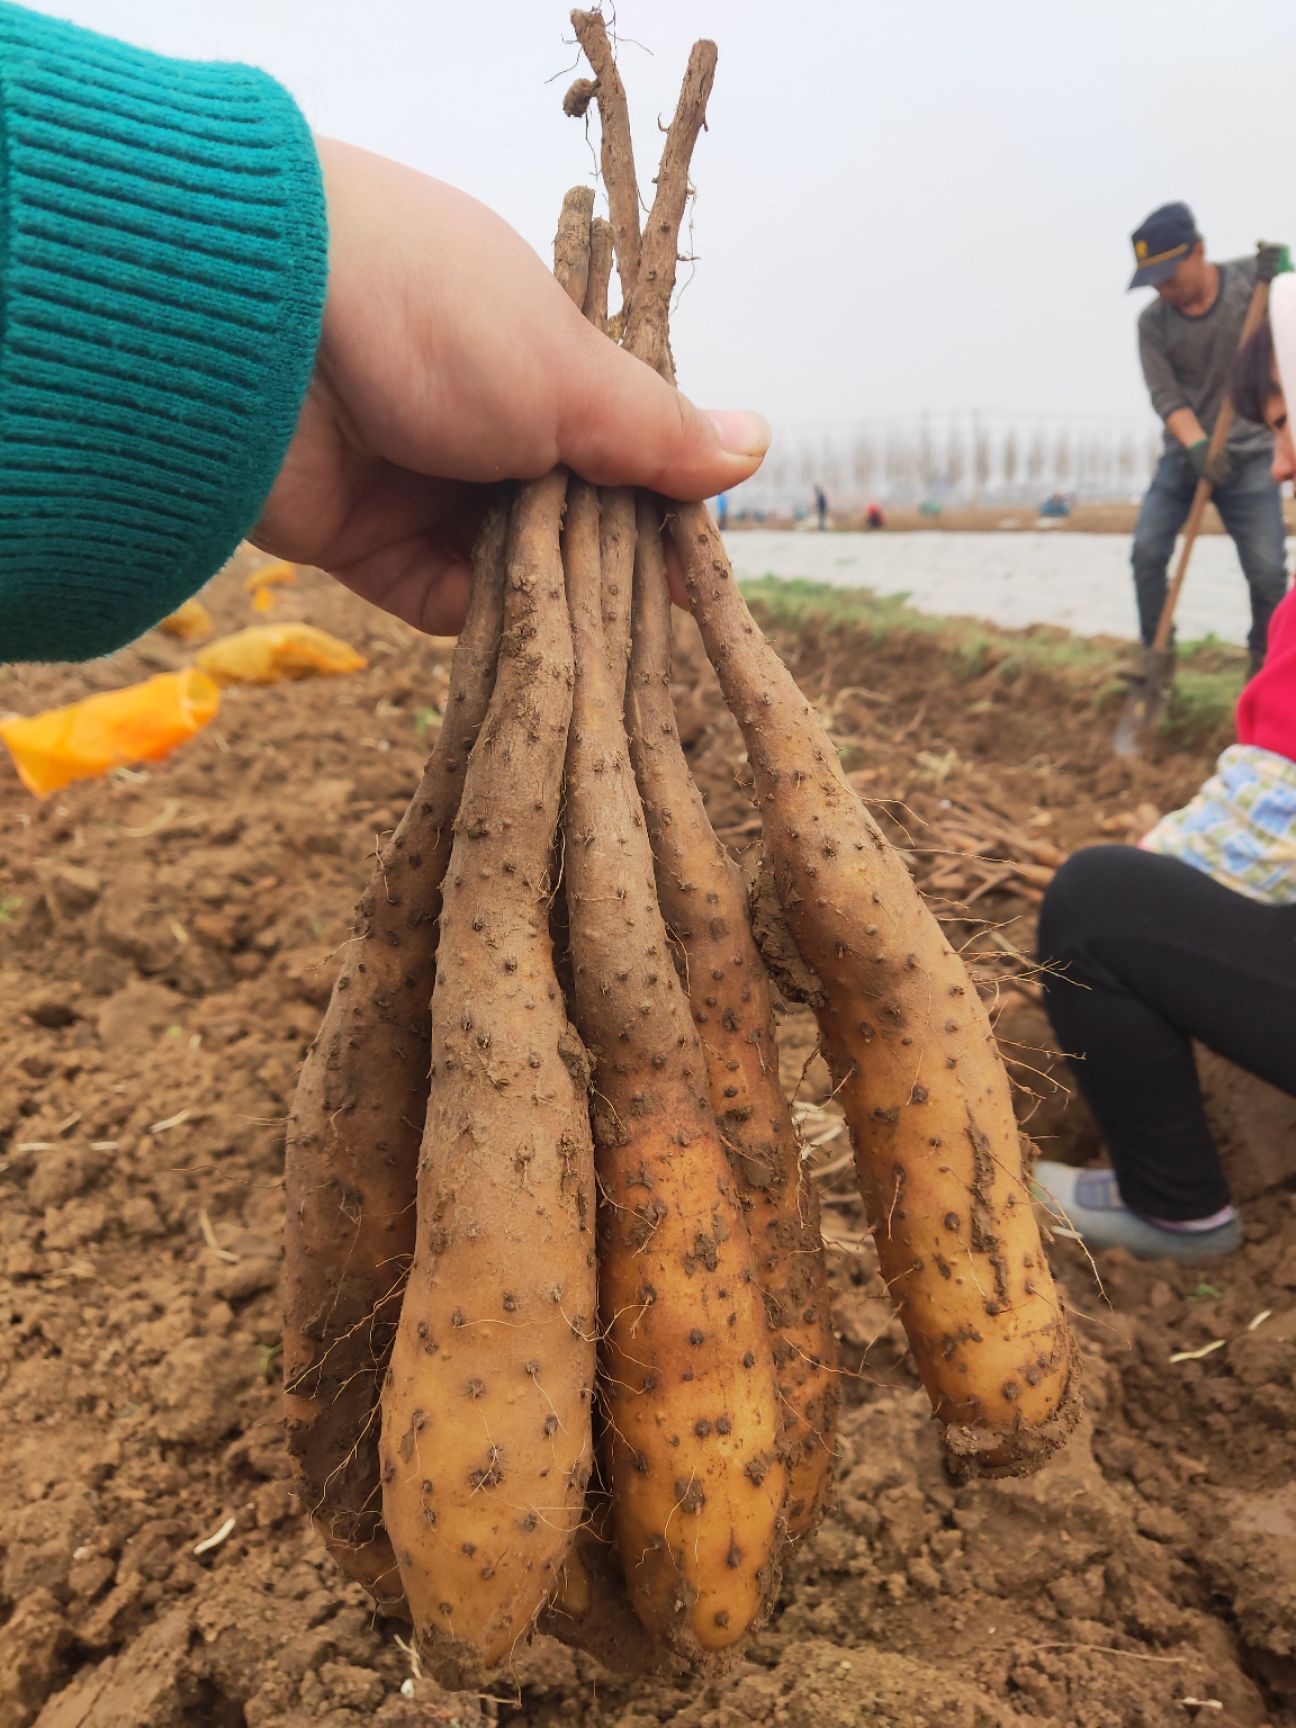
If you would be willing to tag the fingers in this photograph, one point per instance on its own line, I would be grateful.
(407, 547)
(620, 424)
(445, 602)
(453, 353)
(420, 582)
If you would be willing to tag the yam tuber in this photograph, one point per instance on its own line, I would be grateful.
(691, 1404)
(728, 986)
(703, 898)
(602, 1331)
(354, 1132)
(483, 1510)
(358, 1115)
(486, 1409)
(909, 1043)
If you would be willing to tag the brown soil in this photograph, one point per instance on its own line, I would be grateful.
(167, 943)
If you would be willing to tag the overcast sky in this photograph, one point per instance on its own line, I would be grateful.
(901, 206)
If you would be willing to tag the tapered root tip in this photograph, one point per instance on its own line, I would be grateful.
(972, 1453)
(372, 1564)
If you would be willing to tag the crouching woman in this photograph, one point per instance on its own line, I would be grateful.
(1190, 935)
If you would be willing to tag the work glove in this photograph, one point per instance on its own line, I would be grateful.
(1272, 260)
(1215, 468)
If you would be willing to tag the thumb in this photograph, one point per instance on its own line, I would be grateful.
(622, 425)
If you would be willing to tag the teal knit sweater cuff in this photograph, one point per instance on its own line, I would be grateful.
(163, 257)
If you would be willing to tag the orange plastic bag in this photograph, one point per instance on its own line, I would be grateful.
(87, 739)
(267, 653)
(191, 622)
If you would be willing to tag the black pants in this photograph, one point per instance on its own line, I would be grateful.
(1146, 953)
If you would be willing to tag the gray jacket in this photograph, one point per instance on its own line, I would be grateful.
(1187, 361)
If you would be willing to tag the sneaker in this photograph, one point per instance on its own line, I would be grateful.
(1093, 1211)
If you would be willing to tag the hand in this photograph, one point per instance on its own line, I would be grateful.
(450, 357)
(1271, 260)
(1216, 469)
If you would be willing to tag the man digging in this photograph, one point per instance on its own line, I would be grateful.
(1188, 338)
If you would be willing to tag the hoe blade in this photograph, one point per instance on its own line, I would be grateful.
(1143, 704)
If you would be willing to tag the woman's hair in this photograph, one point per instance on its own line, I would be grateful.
(1252, 383)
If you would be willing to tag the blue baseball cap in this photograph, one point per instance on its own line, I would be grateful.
(1161, 244)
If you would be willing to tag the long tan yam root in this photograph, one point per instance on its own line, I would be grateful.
(486, 1411)
(590, 1610)
(358, 1114)
(355, 1128)
(957, 1239)
(910, 1047)
(697, 1483)
(506, 1157)
(703, 898)
(617, 507)
(728, 986)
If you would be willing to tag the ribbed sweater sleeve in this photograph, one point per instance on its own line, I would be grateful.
(163, 255)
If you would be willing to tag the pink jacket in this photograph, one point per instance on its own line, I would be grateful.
(1266, 710)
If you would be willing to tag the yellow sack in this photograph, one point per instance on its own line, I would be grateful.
(270, 574)
(192, 622)
(267, 653)
(87, 739)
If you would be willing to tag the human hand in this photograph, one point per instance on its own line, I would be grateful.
(1216, 469)
(450, 357)
(1271, 260)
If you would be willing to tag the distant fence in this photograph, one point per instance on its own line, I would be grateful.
(977, 457)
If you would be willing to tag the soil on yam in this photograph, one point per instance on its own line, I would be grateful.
(168, 940)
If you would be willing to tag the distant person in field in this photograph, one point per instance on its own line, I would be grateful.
(821, 507)
(1190, 934)
(873, 517)
(722, 510)
(1188, 340)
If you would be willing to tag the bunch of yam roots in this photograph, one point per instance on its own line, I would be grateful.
(558, 1346)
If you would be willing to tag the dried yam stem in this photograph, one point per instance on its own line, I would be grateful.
(647, 277)
(647, 332)
(617, 516)
(572, 243)
(600, 273)
(616, 152)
